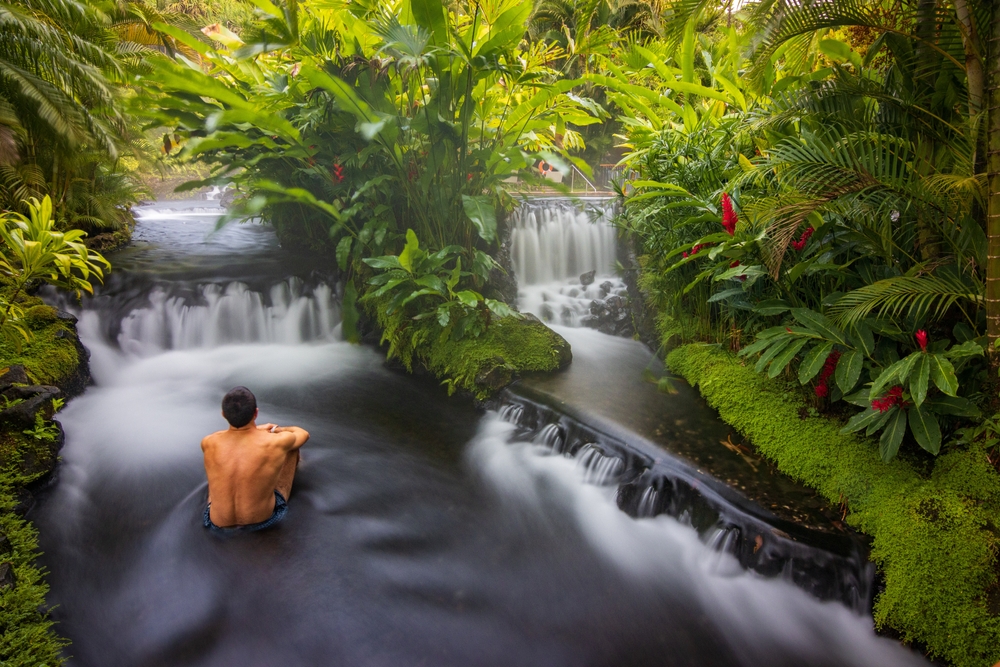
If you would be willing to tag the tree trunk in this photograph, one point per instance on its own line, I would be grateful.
(993, 181)
(973, 57)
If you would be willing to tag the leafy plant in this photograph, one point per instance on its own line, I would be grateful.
(43, 430)
(34, 251)
(420, 283)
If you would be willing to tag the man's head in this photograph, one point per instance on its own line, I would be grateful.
(239, 407)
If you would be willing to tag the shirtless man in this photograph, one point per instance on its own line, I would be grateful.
(250, 467)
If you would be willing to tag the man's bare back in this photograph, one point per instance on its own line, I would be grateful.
(247, 464)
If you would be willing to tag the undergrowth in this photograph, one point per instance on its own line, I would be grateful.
(935, 537)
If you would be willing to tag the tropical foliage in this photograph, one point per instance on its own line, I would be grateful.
(348, 124)
(33, 252)
(813, 178)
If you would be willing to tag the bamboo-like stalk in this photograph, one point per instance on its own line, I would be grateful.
(993, 183)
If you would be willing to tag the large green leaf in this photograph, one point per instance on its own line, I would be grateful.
(919, 377)
(771, 353)
(943, 374)
(344, 252)
(849, 370)
(820, 324)
(785, 358)
(480, 210)
(952, 405)
(410, 251)
(814, 361)
(892, 436)
(861, 420)
(430, 15)
(925, 428)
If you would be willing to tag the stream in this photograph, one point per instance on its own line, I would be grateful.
(420, 531)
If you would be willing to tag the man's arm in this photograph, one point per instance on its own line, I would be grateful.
(300, 435)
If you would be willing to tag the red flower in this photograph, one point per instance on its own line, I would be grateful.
(685, 254)
(729, 217)
(801, 243)
(921, 337)
(338, 172)
(734, 264)
(893, 398)
(829, 367)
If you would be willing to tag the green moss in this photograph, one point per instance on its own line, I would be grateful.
(27, 637)
(935, 540)
(51, 356)
(480, 365)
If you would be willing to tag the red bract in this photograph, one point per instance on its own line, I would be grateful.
(829, 367)
(338, 172)
(921, 337)
(801, 243)
(893, 398)
(729, 217)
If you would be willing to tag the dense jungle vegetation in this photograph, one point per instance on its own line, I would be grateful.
(814, 186)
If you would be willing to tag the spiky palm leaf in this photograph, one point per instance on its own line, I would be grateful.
(914, 297)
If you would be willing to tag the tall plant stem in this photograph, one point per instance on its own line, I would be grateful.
(993, 184)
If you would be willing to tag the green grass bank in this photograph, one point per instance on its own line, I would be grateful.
(934, 535)
(27, 635)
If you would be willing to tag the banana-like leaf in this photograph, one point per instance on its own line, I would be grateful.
(849, 370)
(893, 434)
(925, 429)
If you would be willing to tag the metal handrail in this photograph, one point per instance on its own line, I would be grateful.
(576, 170)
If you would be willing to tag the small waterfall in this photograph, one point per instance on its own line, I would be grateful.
(554, 240)
(554, 244)
(599, 468)
(228, 314)
(647, 503)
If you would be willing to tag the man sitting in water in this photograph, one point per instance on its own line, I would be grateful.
(250, 468)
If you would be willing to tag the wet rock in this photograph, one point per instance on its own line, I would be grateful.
(611, 316)
(7, 578)
(13, 375)
(30, 400)
(588, 277)
(606, 288)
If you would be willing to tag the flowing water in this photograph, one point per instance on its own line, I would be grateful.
(420, 531)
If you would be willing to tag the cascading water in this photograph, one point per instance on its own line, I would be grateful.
(419, 531)
(555, 245)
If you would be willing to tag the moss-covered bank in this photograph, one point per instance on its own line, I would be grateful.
(935, 536)
(480, 366)
(28, 454)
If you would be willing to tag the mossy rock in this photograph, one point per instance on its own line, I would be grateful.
(484, 365)
(52, 357)
(480, 365)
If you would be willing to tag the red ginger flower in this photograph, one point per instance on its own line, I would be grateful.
(338, 172)
(729, 217)
(829, 367)
(893, 398)
(801, 243)
(921, 337)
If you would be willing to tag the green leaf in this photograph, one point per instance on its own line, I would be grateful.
(849, 370)
(953, 405)
(919, 377)
(813, 362)
(861, 335)
(861, 420)
(892, 436)
(430, 14)
(820, 324)
(482, 214)
(943, 374)
(771, 307)
(785, 358)
(409, 251)
(384, 262)
(925, 428)
(771, 353)
(344, 252)
(469, 298)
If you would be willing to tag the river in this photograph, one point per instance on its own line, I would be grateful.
(420, 532)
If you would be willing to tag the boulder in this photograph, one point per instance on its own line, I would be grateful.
(5, 546)
(588, 277)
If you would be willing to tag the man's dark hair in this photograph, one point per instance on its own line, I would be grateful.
(238, 406)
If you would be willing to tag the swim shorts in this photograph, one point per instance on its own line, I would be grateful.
(280, 510)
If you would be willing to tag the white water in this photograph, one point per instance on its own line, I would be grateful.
(229, 314)
(755, 615)
(554, 242)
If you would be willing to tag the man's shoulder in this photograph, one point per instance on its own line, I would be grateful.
(211, 438)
